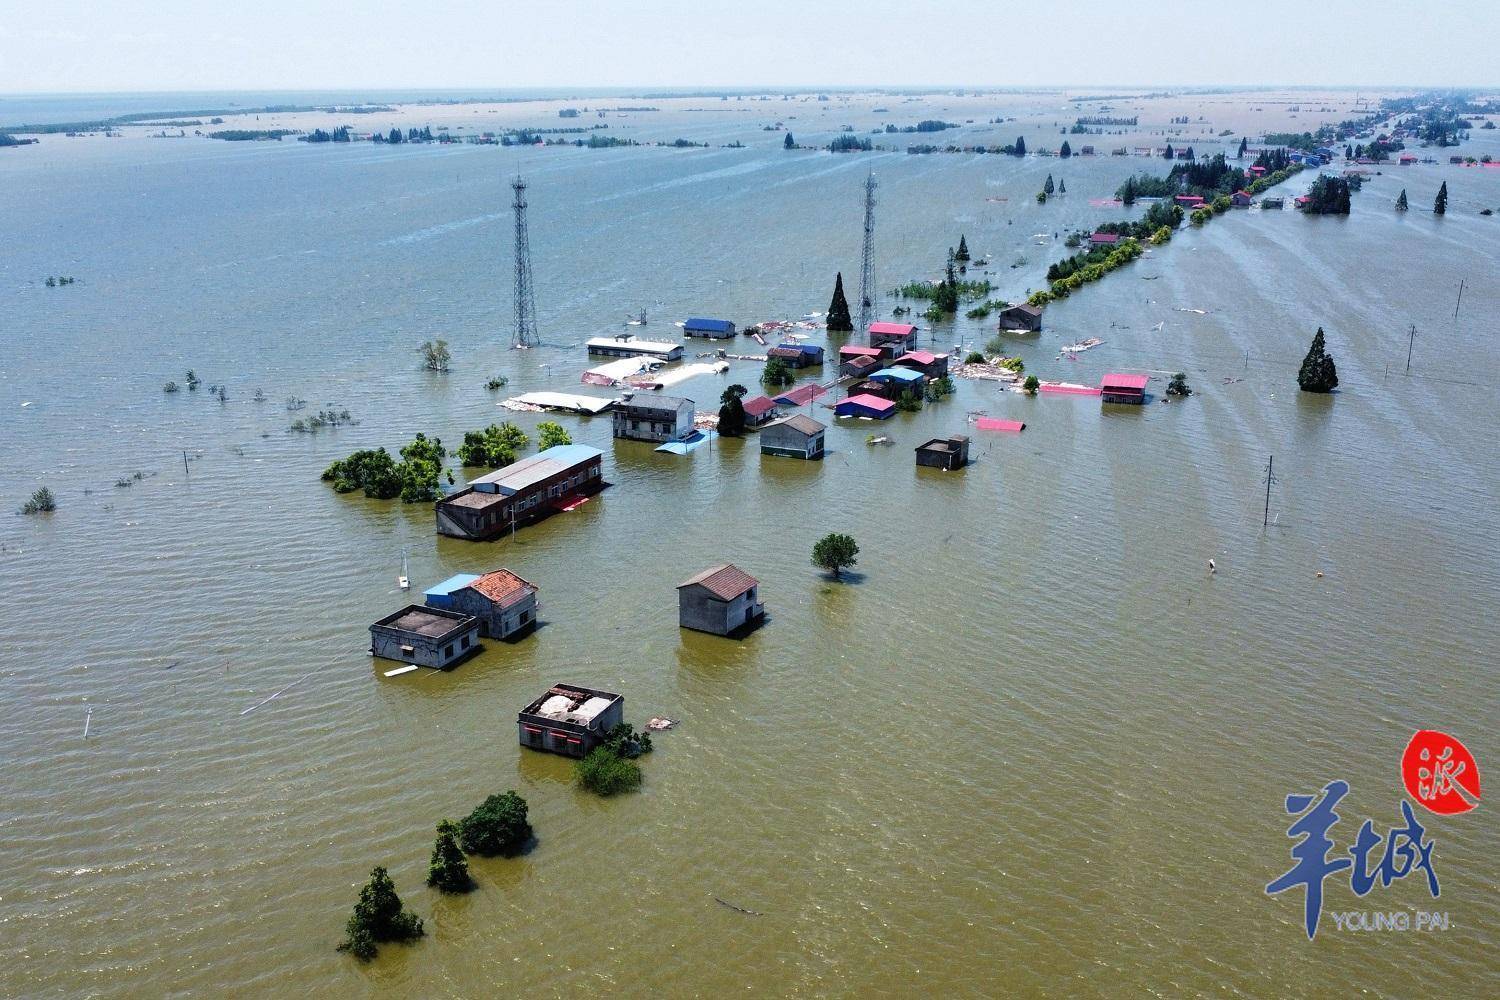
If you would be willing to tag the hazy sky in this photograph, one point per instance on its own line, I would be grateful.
(122, 45)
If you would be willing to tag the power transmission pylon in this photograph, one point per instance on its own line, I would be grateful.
(525, 334)
(1270, 481)
(867, 293)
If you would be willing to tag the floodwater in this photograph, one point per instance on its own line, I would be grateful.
(1030, 747)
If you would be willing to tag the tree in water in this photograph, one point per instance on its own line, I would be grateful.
(448, 870)
(1066, 150)
(834, 552)
(378, 917)
(1049, 187)
(732, 411)
(1318, 373)
(550, 434)
(1169, 154)
(962, 256)
(1440, 204)
(777, 373)
(789, 142)
(838, 309)
(1401, 201)
(1244, 148)
(497, 825)
(435, 356)
(1179, 386)
(1062, 187)
(1127, 196)
(1020, 148)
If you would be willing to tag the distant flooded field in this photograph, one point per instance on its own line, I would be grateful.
(1032, 746)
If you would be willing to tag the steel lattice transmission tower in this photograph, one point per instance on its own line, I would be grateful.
(525, 334)
(867, 293)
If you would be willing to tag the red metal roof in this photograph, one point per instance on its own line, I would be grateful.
(899, 329)
(996, 424)
(920, 357)
(1105, 238)
(802, 395)
(725, 582)
(856, 351)
(759, 406)
(1115, 380)
(873, 402)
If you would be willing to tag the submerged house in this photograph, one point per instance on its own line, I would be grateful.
(570, 720)
(898, 337)
(1021, 317)
(850, 353)
(797, 436)
(860, 367)
(626, 346)
(929, 364)
(1104, 239)
(713, 329)
(948, 453)
(504, 603)
(900, 379)
(653, 418)
(864, 405)
(759, 411)
(522, 492)
(1240, 199)
(720, 600)
(798, 355)
(1117, 388)
(428, 637)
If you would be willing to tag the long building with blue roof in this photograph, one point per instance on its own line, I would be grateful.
(714, 329)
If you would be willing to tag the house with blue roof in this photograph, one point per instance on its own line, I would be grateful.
(713, 329)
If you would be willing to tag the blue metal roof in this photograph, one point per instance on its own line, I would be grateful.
(717, 325)
(804, 348)
(899, 374)
(458, 581)
(570, 453)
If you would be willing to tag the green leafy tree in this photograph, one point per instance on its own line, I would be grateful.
(732, 411)
(1031, 385)
(777, 373)
(378, 917)
(1401, 201)
(962, 254)
(373, 471)
(421, 469)
(975, 358)
(550, 434)
(1318, 373)
(448, 871)
(835, 552)
(1440, 204)
(495, 446)
(496, 826)
(41, 502)
(838, 309)
(1066, 150)
(605, 772)
(1179, 386)
(940, 388)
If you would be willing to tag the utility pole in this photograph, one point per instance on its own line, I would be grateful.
(525, 334)
(1410, 343)
(867, 293)
(1460, 298)
(1265, 520)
